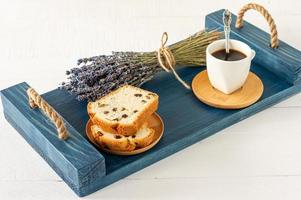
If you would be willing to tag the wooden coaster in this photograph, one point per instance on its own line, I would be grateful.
(250, 92)
(154, 122)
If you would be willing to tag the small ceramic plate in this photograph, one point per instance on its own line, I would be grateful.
(154, 122)
(248, 94)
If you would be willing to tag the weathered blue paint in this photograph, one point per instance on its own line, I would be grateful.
(76, 160)
(187, 121)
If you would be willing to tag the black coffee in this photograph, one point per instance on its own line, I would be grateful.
(233, 55)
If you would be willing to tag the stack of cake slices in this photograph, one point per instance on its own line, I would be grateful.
(120, 119)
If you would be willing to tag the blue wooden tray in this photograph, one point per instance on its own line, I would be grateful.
(86, 169)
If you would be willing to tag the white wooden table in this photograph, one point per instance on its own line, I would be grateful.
(258, 158)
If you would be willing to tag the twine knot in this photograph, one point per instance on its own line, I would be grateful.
(167, 61)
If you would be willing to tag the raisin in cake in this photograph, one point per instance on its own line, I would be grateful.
(124, 110)
(142, 138)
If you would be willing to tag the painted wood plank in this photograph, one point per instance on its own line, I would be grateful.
(77, 162)
(186, 120)
(285, 61)
(197, 120)
(240, 150)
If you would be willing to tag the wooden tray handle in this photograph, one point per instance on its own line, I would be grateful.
(267, 16)
(35, 100)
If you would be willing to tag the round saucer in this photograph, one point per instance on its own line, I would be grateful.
(248, 94)
(155, 122)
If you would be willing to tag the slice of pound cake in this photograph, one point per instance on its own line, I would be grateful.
(124, 110)
(142, 138)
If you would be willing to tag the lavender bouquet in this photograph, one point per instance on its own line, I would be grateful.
(96, 76)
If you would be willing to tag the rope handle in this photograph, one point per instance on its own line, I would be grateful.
(36, 101)
(267, 16)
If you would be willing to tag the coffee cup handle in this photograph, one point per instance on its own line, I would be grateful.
(253, 53)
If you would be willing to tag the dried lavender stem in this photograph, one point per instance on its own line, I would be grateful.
(96, 76)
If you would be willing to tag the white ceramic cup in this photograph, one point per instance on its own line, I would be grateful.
(228, 76)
